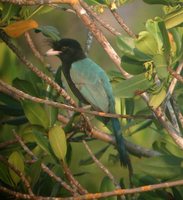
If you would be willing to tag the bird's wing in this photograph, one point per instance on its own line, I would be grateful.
(93, 83)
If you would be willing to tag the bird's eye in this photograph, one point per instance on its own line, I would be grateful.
(65, 48)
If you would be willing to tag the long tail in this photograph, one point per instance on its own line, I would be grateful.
(124, 158)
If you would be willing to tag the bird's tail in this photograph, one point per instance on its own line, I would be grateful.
(124, 158)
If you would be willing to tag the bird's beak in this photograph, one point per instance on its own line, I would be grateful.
(52, 52)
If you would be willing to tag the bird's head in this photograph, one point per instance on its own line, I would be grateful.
(68, 50)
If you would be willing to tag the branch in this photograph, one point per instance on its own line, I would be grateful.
(175, 74)
(89, 196)
(100, 165)
(33, 47)
(122, 23)
(72, 180)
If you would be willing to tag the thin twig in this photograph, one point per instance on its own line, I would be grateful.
(175, 74)
(7, 143)
(72, 180)
(20, 174)
(174, 80)
(100, 165)
(33, 47)
(96, 16)
(122, 23)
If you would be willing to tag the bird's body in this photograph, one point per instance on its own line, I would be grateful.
(90, 84)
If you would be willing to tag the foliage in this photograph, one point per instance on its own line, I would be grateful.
(146, 57)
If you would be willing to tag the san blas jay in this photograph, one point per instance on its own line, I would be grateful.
(90, 84)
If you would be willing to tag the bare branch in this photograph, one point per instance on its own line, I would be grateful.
(33, 47)
(96, 16)
(122, 23)
(175, 74)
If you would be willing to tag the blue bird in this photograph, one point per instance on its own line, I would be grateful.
(90, 84)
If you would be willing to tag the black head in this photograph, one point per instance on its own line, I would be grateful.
(68, 50)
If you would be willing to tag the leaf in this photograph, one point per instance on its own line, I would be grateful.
(164, 2)
(16, 29)
(161, 64)
(4, 174)
(146, 43)
(127, 47)
(132, 66)
(157, 99)
(25, 86)
(50, 32)
(174, 19)
(161, 166)
(35, 113)
(16, 159)
(58, 142)
(42, 141)
(107, 186)
(130, 87)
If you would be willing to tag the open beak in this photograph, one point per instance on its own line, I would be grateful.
(52, 52)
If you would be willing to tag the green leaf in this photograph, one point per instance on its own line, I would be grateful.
(132, 66)
(4, 174)
(161, 166)
(35, 113)
(164, 2)
(16, 159)
(107, 186)
(174, 19)
(35, 171)
(42, 141)
(52, 114)
(157, 99)
(25, 86)
(130, 87)
(127, 47)
(58, 142)
(146, 43)
(49, 31)
(161, 64)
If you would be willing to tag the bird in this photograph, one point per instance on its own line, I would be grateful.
(90, 84)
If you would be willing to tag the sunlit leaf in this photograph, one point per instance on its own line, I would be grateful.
(146, 43)
(174, 19)
(18, 28)
(58, 141)
(157, 99)
(16, 159)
